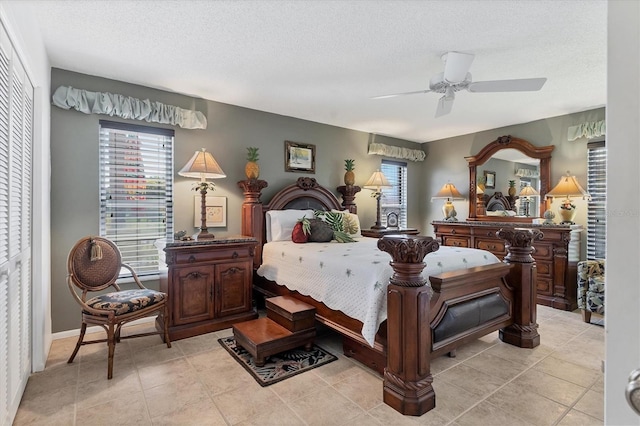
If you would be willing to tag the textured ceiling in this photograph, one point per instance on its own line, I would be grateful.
(324, 60)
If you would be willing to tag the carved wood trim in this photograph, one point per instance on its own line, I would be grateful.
(542, 153)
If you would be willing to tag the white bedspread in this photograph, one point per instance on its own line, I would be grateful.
(353, 277)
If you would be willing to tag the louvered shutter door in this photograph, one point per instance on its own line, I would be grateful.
(597, 188)
(136, 184)
(16, 142)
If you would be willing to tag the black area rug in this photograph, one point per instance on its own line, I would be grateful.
(280, 366)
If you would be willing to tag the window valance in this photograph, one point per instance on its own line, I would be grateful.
(397, 152)
(122, 106)
(530, 173)
(590, 130)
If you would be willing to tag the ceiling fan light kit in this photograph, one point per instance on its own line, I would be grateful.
(456, 77)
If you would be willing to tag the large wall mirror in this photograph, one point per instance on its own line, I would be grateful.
(508, 181)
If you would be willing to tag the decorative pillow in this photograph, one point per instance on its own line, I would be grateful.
(301, 231)
(321, 232)
(336, 222)
(351, 223)
(280, 223)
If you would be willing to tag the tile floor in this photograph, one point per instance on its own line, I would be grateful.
(196, 382)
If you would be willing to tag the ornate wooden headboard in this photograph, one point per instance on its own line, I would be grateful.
(305, 193)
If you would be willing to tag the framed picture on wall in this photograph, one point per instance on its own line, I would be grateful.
(299, 157)
(216, 211)
(489, 179)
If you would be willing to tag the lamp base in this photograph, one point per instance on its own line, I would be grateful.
(204, 235)
(567, 213)
(449, 212)
(378, 226)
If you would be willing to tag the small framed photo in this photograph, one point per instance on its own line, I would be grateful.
(299, 157)
(216, 211)
(489, 179)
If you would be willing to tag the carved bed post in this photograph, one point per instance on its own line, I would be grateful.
(522, 277)
(407, 377)
(252, 215)
(348, 195)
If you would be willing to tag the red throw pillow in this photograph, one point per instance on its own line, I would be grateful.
(298, 235)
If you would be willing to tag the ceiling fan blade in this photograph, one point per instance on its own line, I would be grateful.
(456, 66)
(445, 104)
(393, 95)
(517, 85)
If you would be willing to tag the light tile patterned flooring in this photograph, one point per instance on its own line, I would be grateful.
(196, 382)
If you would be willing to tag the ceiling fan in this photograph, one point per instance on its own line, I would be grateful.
(456, 77)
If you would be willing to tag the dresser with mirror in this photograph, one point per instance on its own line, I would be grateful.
(510, 162)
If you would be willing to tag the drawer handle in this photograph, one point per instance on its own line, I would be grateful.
(456, 244)
(453, 231)
(492, 247)
(194, 274)
(234, 255)
(489, 234)
(192, 259)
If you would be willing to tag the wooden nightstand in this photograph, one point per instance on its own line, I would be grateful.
(378, 233)
(209, 284)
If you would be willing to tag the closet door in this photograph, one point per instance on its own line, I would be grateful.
(16, 135)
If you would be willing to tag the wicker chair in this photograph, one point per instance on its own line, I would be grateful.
(93, 265)
(591, 288)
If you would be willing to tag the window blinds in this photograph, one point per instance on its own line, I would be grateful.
(597, 188)
(394, 199)
(136, 183)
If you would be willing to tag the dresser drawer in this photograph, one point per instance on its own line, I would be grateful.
(543, 251)
(495, 246)
(453, 230)
(230, 253)
(544, 268)
(486, 232)
(455, 241)
(544, 286)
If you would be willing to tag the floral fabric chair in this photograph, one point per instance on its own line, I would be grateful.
(591, 288)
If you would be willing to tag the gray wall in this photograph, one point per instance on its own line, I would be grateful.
(74, 164)
(446, 161)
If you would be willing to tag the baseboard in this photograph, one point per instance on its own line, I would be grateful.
(96, 329)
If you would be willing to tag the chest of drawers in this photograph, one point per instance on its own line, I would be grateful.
(556, 254)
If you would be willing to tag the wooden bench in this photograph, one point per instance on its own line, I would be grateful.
(289, 324)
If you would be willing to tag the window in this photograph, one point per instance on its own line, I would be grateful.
(394, 199)
(597, 188)
(136, 182)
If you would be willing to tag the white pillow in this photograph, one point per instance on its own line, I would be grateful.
(280, 223)
(354, 218)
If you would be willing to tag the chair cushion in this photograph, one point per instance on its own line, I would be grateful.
(126, 301)
(591, 283)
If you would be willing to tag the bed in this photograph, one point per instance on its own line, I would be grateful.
(404, 323)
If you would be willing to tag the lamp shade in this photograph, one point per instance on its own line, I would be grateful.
(528, 191)
(448, 191)
(479, 191)
(377, 181)
(568, 187)
(202, 166)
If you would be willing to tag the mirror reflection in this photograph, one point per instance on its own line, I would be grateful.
(508, 184)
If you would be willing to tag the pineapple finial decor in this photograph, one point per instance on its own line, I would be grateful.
(349, 176)
(252, 169)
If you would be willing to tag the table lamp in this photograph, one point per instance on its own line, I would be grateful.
(568, 187)
(203, 166)
(525, 194)
(376, 182)
(448, 192)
